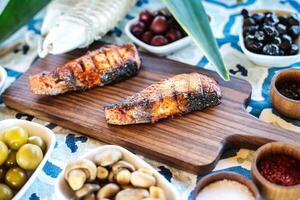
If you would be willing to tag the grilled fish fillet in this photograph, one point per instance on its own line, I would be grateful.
(178, 95)
(109, 64)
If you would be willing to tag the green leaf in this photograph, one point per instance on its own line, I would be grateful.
(16, 14)
(192, 17)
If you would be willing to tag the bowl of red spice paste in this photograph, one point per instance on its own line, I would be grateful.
(276, 171)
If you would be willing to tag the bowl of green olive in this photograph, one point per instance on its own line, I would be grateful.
(24, 148)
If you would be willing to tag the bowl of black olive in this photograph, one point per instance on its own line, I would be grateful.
(285, 92)
(270, 37)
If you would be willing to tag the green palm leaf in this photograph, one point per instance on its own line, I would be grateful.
(16, 14)
(191, 15)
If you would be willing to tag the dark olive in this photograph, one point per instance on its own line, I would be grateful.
(283, 20)
(249, 22)
(159, 40)
(259, 36)
(249, 30)
(245, 13)
(293, 19)
(270, 32)
(137, 29)
(277, 41)
(146, 16)
(159, 25)
(286, 42)
(254, 46)
(271, 49)
(147, 37)
(294, 49)
(173, 35)
(271, 18)
(258, 18)
(11, 159)
(281, 29)
(294, 31)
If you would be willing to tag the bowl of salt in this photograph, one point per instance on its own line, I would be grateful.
(225, 186)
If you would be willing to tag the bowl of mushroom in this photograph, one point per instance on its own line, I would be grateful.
(112, 172)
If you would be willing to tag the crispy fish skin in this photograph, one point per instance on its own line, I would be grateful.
(109, 64)
(178, 95)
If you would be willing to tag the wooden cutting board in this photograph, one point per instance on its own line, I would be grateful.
(193, 142)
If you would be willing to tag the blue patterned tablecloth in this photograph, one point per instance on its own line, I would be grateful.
(225, 21)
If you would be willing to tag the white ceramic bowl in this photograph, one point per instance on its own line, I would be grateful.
(64, 192)
(34, 129)
(160, 50)
(3, 77)
(265, 60)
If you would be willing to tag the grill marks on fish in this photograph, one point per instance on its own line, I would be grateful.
(178, 95)
(107, 65)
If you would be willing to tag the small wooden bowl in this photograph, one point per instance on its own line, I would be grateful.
(211, 178)
(284, 105)
(270, 190)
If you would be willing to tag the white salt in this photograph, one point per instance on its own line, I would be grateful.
(225, 190)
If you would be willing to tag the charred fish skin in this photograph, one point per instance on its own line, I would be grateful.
(175, 96)
(106, 65)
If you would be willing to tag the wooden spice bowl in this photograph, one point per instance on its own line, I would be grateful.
(271, 191)
(211, 178)
(284, 105)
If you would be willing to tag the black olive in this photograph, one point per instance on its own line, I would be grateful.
(249, 30)
(249, 22)
(281, 52)
(277, 41)
(294, 31)
(293, 19)
(283, 20)
(281, 29)
(294, 49)
(249, 37)
(270, 32)
(259, 36)
(271, 18)
(245, 13)
(271, 49)
(254, 46)
(286, 42)
(258, 17)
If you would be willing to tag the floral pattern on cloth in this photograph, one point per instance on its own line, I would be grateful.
(70, 145)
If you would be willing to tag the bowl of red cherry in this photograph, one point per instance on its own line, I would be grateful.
(158, 32)
(270, 37)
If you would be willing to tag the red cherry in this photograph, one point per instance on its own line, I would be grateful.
(173, 35)
(147, 37)
(159, 25)
(159, 40)
(146, 16)
(138, 28)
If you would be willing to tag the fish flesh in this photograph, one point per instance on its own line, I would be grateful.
(181, 94)
(109, 64)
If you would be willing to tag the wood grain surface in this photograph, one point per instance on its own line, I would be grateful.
(193, 142)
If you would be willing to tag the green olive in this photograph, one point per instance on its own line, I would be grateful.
(15, 177)
(3, 152)
(2, 174)
(11, 159)
(37, 141)
(15, 137)
(5, 192)
(29, 156)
